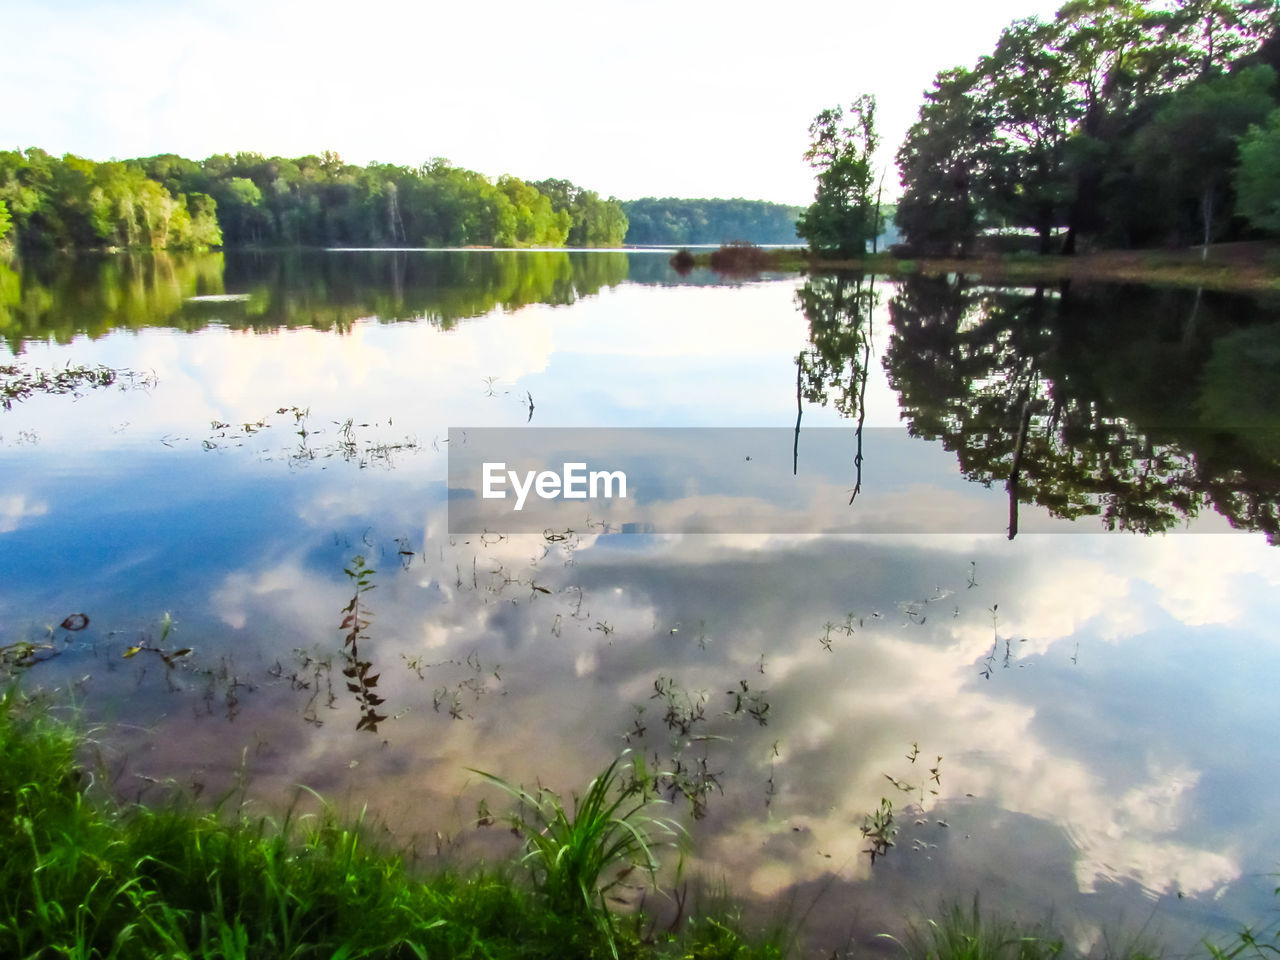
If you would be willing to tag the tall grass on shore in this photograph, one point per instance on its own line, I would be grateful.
(83, 875)
(609, 829)
(88, 877)
(965, 934)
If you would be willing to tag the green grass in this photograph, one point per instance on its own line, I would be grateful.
(570, 853)
(965, 934)
(87, 877)
(83, 875)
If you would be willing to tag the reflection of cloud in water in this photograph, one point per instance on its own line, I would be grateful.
(15, 508)
(1035, 744)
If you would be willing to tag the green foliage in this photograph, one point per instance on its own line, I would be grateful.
(355, 621)
(1186, 153)
(960, 934)
(4, 219)
(1257, 178)
(844, 216)
(943, 162)
(592, 222)
(1247, 943)
(82, 875)
(167, 201)
(570, 853)
(674, 221)
(1113, 122)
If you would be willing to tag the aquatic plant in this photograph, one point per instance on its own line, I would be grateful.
(570, 854)
(879, 827)
(18, 383)
(355, 621)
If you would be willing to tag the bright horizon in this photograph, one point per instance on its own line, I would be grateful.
(628, 99)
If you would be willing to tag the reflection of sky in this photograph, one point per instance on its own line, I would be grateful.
(1117, 754)
(727, 480)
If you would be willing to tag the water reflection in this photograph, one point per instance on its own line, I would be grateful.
(62, 297)
(1101, 704)
(1137, 406)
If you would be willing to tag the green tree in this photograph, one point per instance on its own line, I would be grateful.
(1033, 114)
(4, 219)
(1189, 148)
(945, 167)
(592, 222)
(844, 216)
(240, 201)
(1257, 178)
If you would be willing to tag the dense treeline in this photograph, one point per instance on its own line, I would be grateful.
(675, 221)
(1119, 123)
(169, 201)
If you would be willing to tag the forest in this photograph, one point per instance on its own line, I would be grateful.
(1117, 124)
(675, 221)
(170, 202)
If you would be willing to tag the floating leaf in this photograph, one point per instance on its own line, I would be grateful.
(132, 652)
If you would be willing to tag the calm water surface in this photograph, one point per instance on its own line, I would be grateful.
(1078, 722)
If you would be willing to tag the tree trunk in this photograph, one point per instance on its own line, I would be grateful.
(1206, 214)
(795, 449)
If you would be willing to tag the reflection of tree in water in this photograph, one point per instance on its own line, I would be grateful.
(834, 369)
(61, 298)
(1139, 406)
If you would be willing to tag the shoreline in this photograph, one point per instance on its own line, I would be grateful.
(1241, 267)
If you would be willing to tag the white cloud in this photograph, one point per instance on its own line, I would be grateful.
(629, 99)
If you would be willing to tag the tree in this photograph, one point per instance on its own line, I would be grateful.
(843, 217)
(196, 223)
(1030, 104)
(945, 167)
(239, 201)
(4, 219)
(1257, 178)
(1189, 148)
(672, 220)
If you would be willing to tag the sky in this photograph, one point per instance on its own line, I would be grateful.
(628, 98)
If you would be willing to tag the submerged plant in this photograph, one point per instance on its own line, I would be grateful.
(880, 828)
(355, 621)
(18, 383)
(571, 853)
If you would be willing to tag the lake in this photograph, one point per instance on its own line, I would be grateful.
(201, 456)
